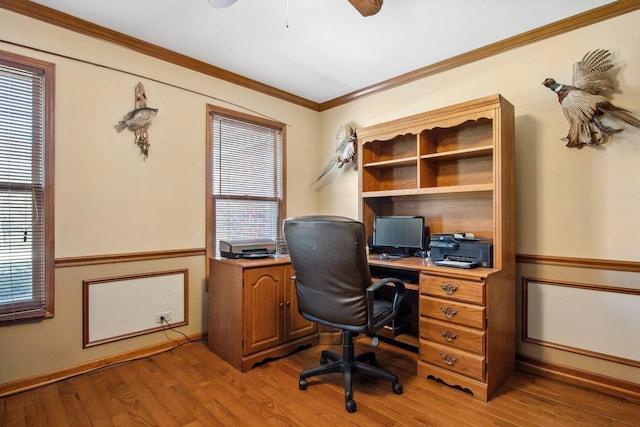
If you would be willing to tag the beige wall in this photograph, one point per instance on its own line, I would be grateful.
(564, 195)
(109, 200)
(570, 203)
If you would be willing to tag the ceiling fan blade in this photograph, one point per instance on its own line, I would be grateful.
(367, 7)
(219, 4)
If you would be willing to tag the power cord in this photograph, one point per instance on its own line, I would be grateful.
(170, 326)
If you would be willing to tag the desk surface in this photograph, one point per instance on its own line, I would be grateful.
(409, 263)
(423, 264)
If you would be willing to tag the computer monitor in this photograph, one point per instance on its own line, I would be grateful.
(398, 235)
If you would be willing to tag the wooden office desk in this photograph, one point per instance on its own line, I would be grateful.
(462, 322)
(465, 321)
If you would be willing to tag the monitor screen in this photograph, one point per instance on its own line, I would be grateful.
(398, 232)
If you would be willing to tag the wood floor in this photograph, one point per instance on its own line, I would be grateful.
(190, 386)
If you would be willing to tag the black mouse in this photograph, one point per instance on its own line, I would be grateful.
(384, 255)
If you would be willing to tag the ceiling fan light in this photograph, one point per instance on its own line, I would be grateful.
(219, 4)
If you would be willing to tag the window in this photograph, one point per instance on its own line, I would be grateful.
(246, 178)
(26, 187)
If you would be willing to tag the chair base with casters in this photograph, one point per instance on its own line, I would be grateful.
(349, 364)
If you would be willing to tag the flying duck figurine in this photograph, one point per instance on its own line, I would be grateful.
(586, 102)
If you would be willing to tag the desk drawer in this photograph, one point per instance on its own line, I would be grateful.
(452, 311)
(459, 361)
(445, 287)
(452, 335)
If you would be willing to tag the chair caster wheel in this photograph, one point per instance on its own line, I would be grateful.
(397, 388)
(302, 385)
(350, 405)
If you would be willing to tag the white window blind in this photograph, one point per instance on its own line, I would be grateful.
(23, 217)
(247, 180)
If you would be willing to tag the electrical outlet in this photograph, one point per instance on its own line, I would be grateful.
(165, 314)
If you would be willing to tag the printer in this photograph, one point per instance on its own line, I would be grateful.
(461, 250)
(250, 248)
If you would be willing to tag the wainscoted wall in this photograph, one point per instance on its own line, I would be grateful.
(583, 314)
(36, 352)
(121, 307)
(594, 327)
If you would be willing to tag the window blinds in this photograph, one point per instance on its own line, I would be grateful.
(247, 180)
(22, 282)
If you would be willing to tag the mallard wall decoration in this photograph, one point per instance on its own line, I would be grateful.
(138, 120)
(346, 145)
(586, 102)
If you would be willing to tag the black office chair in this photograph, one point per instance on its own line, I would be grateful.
(333, 286)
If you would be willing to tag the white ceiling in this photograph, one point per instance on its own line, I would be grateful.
(322, 49)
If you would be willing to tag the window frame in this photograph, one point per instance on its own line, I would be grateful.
(47, 308)
(210, 226)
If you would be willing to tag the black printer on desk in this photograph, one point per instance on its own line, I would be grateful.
(462, 250)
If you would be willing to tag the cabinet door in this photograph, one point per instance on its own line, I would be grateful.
(295, 325)
(263, 308)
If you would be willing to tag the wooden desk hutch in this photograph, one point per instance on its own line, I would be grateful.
(455, 167)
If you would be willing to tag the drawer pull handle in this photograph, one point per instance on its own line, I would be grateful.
(449, 359)
(448, 288)
(448, 312)
(448, 335)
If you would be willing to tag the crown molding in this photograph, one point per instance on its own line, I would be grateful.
(63, 20)
(68, 22)
(584, 19)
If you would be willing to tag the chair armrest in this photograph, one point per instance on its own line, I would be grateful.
(397, 298)
(399, 285)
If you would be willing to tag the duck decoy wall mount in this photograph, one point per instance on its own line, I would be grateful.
(138, 120)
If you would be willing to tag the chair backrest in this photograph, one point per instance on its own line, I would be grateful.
(328, 254)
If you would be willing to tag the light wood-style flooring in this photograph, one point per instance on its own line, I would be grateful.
(190, 386)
